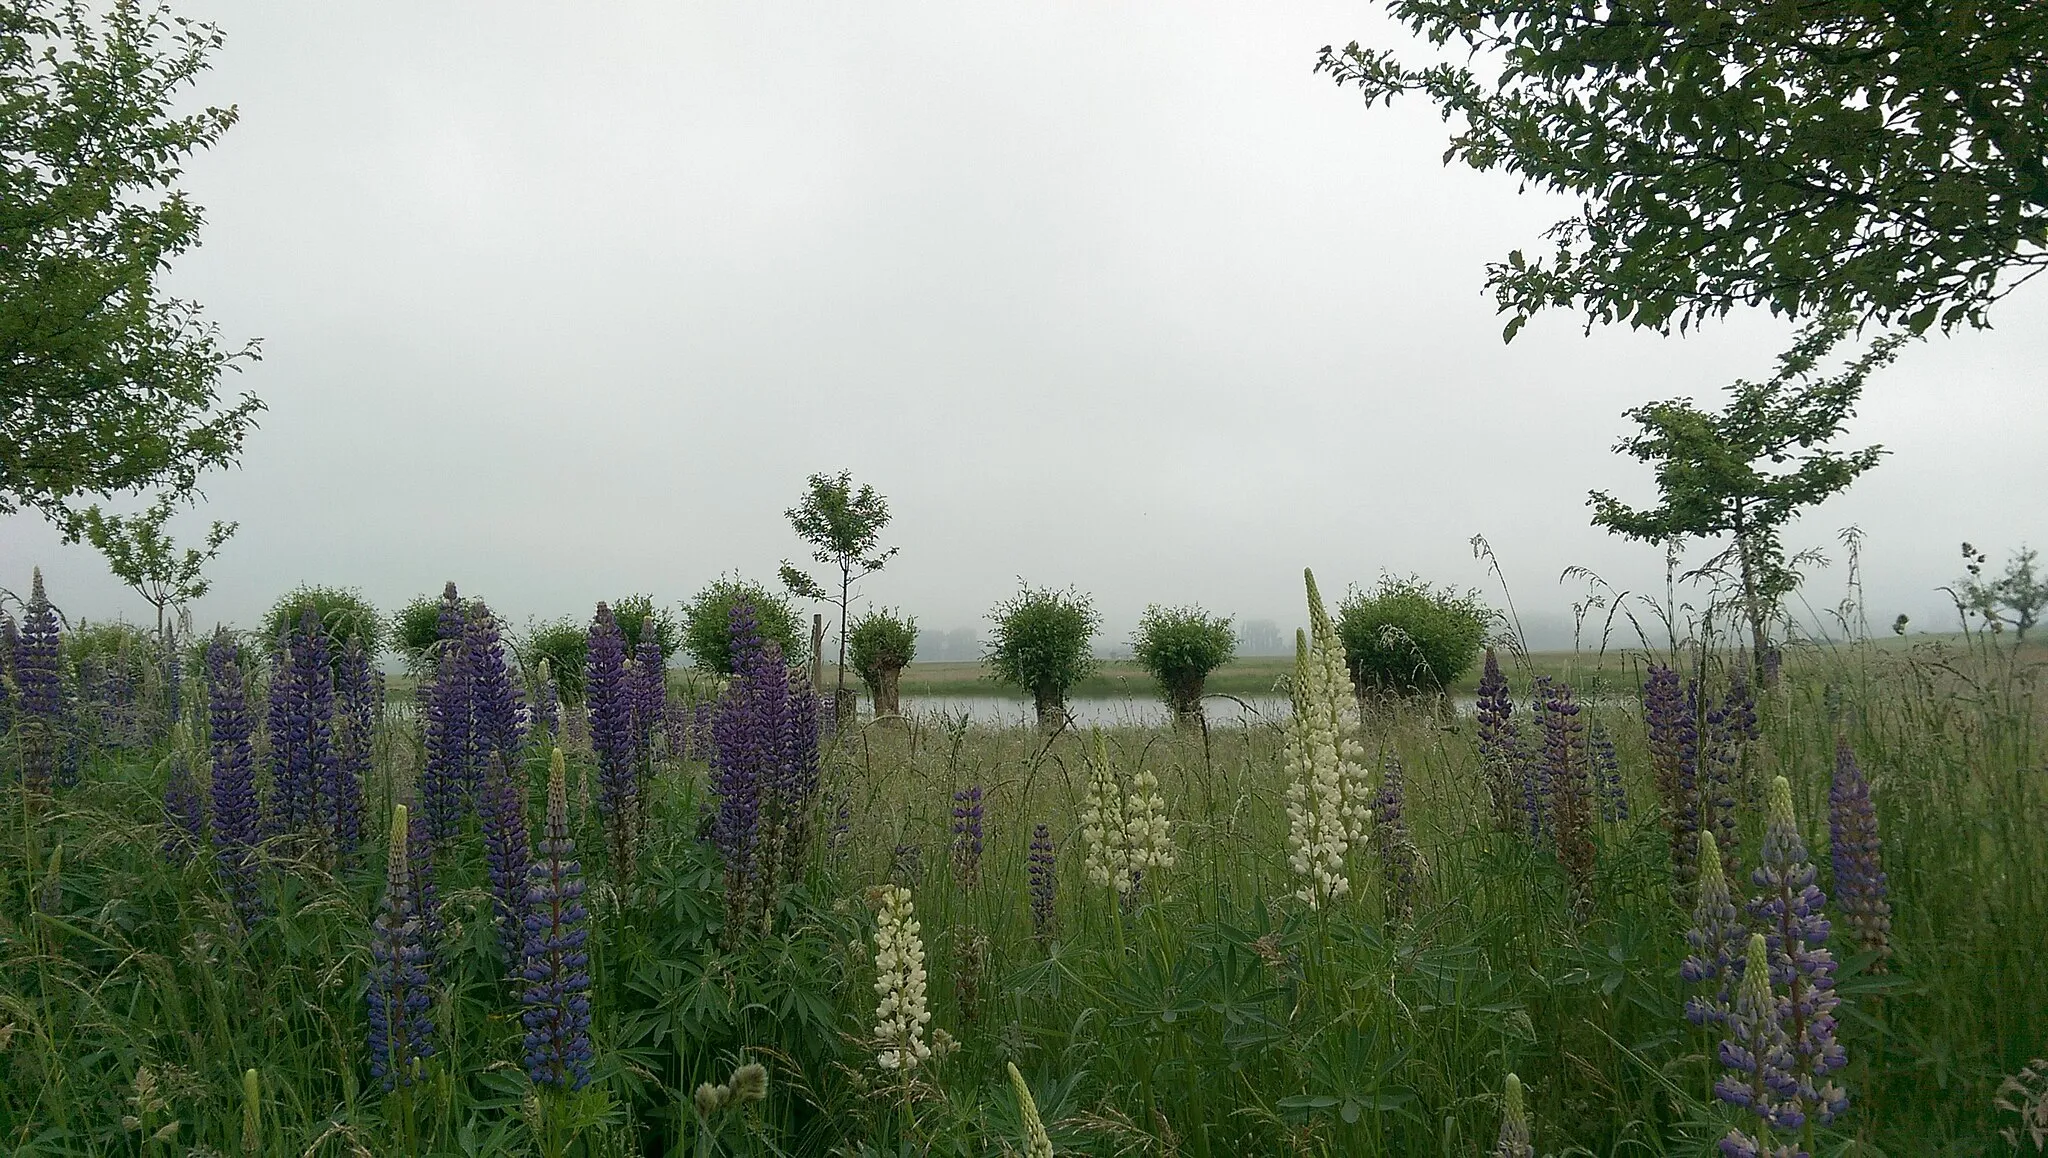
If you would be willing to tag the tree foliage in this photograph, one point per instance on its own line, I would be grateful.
(565, 644)
(879, 641)
(843, 525)
(707, 623)
(1746, 470)
(1885, 160)
(107, 386)
(635, 610)
(343, 612)
(2015, 599)
(1406, 636)
(141, 555)
(1179, 647)
(1040, 644)
(415, 628)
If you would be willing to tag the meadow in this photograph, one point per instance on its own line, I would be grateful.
(165, 990)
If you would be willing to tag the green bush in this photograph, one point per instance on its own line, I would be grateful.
(1041, 645)
(563, 643)
(1180, 646)
(879, 646)
(343, 612)
(1406, 636)
(415, 628)
(707, 623)
(635, 610)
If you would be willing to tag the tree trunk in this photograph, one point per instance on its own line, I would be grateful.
(1752, 600)
(1051, 704)
(1185, 699)
(887, 702)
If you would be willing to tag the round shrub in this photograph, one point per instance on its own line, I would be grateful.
(1041, 645)
(880, 645)
(635, 610)
(1180, 646)
(1406, 636)
(707, 623)
(343, 612)
(415, 628)
(563, 643)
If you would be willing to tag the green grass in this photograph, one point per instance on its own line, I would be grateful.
(1214, 1016)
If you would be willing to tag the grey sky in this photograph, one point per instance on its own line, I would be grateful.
(564, 301)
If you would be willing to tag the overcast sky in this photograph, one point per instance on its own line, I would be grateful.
(563, 301)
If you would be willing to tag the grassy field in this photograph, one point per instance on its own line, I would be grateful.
(1210, 1013)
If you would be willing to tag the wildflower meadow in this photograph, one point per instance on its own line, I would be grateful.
(258, 897)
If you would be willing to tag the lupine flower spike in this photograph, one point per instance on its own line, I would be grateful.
(1793, 912)
(1570, 797)
(1759, 1063)
(1044, 874)
(1319, 811)
(609, 695)
(399, 994)
(1514, 1124)
(1037, 1143)
(967, 845)
(1674, 761)
(39, 689)
(1716, 936)
(252, 1112)
(235, 809)
(556, 970)
(1856, 850)
(901, 1015)
(1500, 748)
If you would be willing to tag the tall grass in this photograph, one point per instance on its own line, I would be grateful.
(1208, 1015)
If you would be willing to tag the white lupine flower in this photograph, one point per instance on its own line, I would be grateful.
(901, 1016)
(1329, 793)
(1124, 831)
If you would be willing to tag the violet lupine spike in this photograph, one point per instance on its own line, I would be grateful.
(556, 964)
(39, 682)
(1536, 787)
(315, 677)
(1673, 739)
(1043, 872)
(501, 806)
(610, 697)
(650, 695)
(426, 894)
(802, 772)
(742, 777)
(1856, 851)
(967, 835)
(399, 993)
(10, 644)
(1717, 935)
(1792, 911)
(448, 737)
(236, 821)
(1565, 766)
(1399, 858)
(1607, 774)
(184, 810)
(355, 729)
(1720, 767)
(1759, 1060)
(1500, 748)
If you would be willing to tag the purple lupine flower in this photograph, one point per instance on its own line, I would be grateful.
(289, 805)
(301, 726)
(39, 682)
(1043, 872)
(358, 692)
(1793, 913)
(701, 718)
(502, 805)
(1673, 735)
(744, 771)
(235, 810)
(448, 724)
(650, 695)
(1716, 936)
(797, 788)
(1758, 1057)
(1565, 767)
(426, 895)
(324, 778)
(399, 993)
(967, 835)
(611, 737)
(1857, 853)
(556, 966)
(1607, 774)
(184, 810)
(547, 700)
(1536, 777)
(1500, 746)
(1722, 741)
(1391, 839)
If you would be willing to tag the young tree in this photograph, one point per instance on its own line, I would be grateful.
(1179, 647)
(343, 612)
(141, 555)
(1726, 473)
(882, 644)
(844, 528)
(707, 623)
(1040, 644)
(106, 386)
(1885, 160)
(2015, 599)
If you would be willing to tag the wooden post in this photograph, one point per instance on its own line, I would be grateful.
(818, 654)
